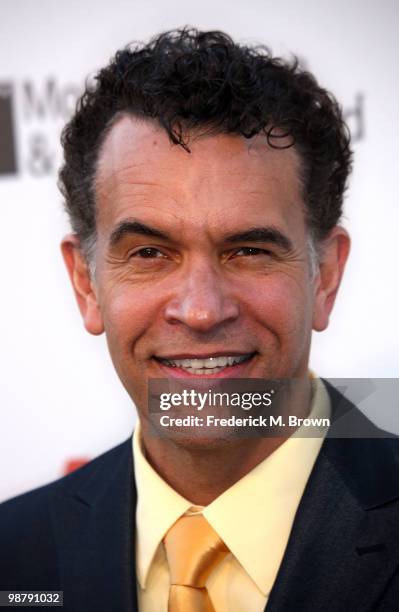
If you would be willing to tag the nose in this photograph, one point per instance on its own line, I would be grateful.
(202, 300)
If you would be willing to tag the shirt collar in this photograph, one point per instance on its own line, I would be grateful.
(254, 517)
(158, 507)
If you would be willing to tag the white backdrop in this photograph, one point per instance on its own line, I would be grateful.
(60, 398)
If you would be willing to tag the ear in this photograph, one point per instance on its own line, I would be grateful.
(83, 286)
(334, 252)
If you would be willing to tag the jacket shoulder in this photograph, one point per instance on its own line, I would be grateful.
(28, 550)
(366, 456)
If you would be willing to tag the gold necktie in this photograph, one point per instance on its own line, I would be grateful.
(193, 549)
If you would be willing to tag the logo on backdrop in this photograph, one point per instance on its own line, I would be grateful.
(32, 114)
(354, 117)
(70, 465)
(8, 163)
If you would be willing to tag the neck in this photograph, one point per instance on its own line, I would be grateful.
(201, 472)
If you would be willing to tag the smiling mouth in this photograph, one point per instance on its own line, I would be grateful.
(200, 366)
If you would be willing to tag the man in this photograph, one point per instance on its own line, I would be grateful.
(204, 182)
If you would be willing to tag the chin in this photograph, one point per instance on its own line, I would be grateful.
(194, 437)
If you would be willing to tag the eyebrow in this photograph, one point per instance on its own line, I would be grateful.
(262, 234)
(258, 235)
(128, 227)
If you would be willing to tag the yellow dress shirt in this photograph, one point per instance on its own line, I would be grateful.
(254, 518)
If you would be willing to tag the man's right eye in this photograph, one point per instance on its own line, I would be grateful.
(147, 253)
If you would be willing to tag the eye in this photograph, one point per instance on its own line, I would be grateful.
(147, 253)
(251, 252)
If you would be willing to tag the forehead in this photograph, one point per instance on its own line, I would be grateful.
(140, 169)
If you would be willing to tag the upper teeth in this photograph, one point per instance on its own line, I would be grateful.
(206, 363)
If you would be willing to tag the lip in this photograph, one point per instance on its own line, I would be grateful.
(205, 355)
(235, 371)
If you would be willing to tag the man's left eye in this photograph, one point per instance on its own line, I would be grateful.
(251, 251)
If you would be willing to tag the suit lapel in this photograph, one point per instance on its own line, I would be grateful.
(343, 545)
(94, 529)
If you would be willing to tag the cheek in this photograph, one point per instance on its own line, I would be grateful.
(127, 317)
(282, 304)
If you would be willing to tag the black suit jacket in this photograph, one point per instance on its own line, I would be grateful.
(77, 534)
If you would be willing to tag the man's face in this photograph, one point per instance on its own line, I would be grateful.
(202, 259)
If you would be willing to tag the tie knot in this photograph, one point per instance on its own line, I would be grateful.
(193, 549)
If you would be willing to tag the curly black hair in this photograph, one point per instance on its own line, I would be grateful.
(186, 80)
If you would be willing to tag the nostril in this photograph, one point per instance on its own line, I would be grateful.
(201, 302)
